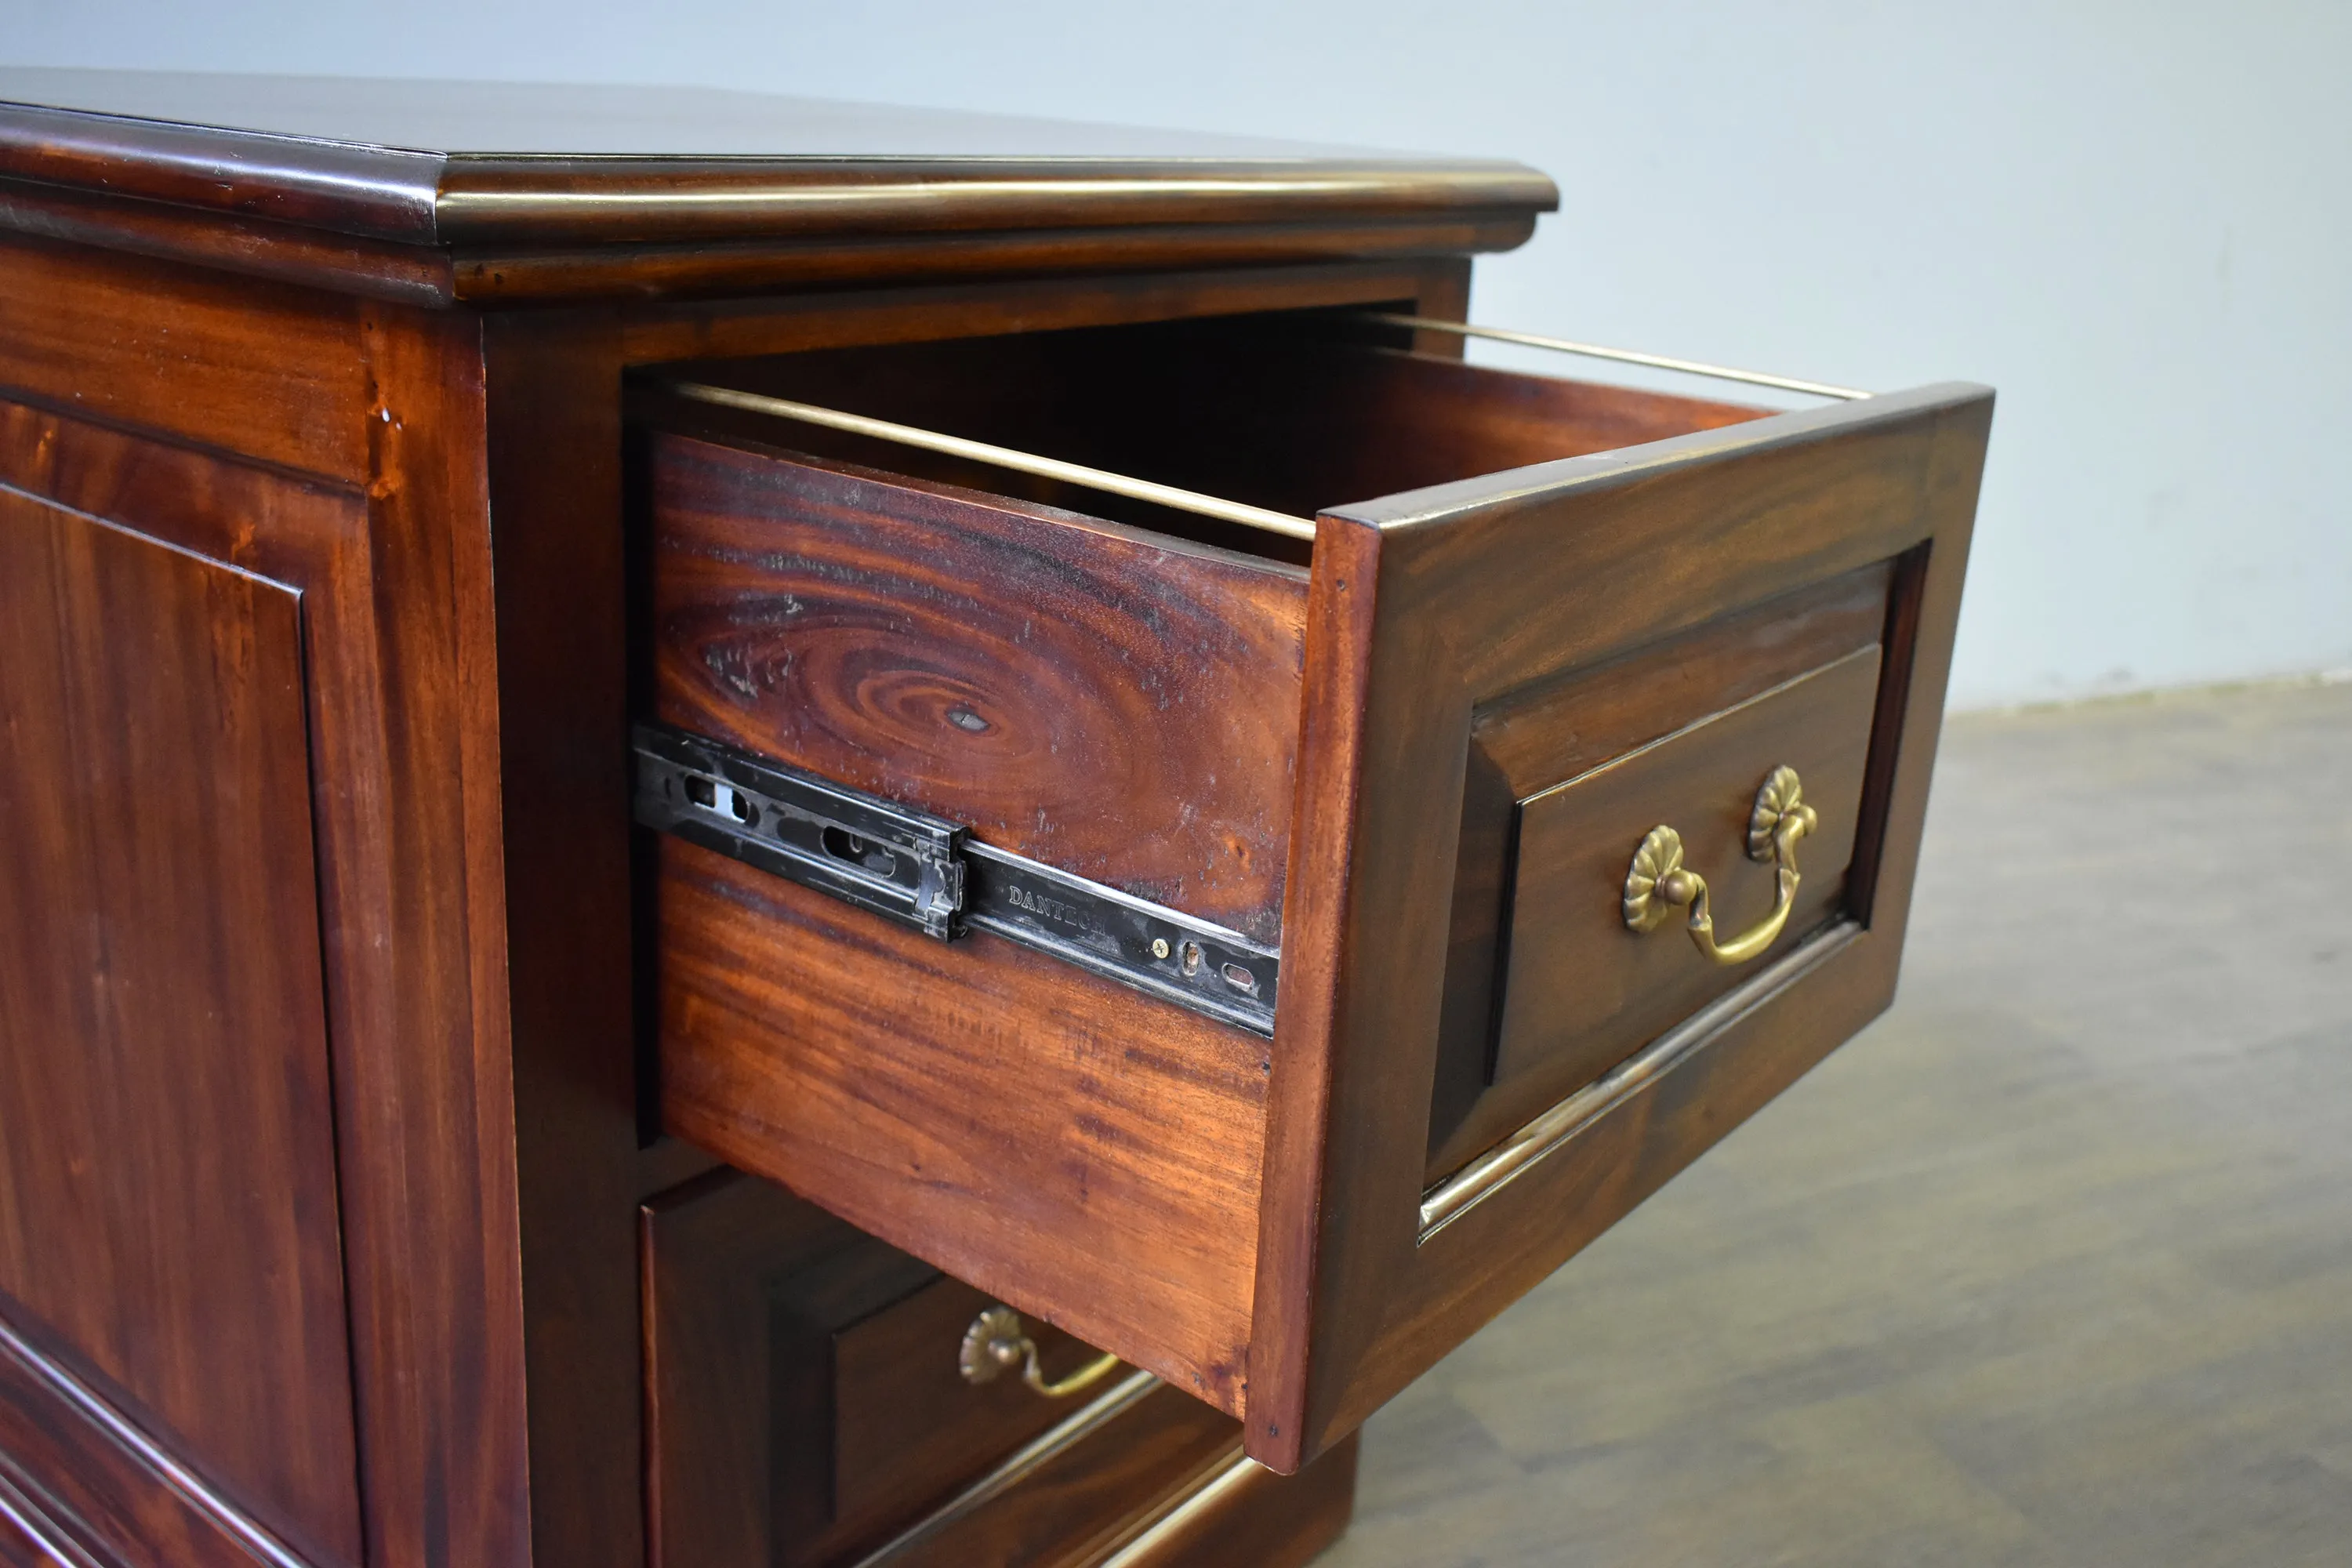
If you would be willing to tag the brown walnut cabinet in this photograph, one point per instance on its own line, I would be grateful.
(437, 1130)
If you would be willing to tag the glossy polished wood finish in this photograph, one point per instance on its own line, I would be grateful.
(1573, 836)
(908, 1423)
(1425, 607)
(1607, 703)
(552, 384)
(530, 191)
(946, 310)
(1529, 1021)
(961, 653)
(433, 490)
(746, 1288)
(422, 1113)
(748, 1098)
(156, 781)
(1086, 1154)
(476, 161)
(1246, 1513)
(265, 373)
(23, 1543)
(805, 1403)
(94, 1490)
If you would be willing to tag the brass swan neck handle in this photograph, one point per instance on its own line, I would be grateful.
(997, 1342)
(1658, 883)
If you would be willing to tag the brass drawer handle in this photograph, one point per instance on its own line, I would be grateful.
(1658, 883)
(997, 1342)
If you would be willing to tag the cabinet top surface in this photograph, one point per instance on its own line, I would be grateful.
(457, 164)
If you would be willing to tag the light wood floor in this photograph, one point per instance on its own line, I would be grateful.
(2051, 1265)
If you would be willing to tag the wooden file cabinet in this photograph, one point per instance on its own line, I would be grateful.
(588, 883)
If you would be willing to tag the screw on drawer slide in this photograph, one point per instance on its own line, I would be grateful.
(927, 873)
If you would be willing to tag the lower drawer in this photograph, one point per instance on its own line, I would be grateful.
(1266, 949)
(809, 1406)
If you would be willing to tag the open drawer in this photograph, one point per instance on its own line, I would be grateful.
(1242, 942)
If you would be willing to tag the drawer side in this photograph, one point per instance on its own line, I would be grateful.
(1117, 705)
(1089, 1155)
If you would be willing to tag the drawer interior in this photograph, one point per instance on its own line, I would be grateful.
(1418, 759)
(1127, 713)
(1119, 701)
(1293, 413)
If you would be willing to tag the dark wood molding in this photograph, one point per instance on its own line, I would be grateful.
(437, 191)
(371, 1092)
(105, 1493)
(553, 386)
(432, 275)
(261, 246)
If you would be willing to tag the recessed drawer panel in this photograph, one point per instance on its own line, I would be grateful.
(1382, 876)
(909, 1421)
(1548, 986)
(809, 1407)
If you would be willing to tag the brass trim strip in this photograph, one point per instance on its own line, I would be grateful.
(994, 1484)
(490, 195)
(1002, 457)
(1626, 356)
(1237, 1468)
(1493, 1171)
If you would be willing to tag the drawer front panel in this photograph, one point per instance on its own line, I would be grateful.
(807, 1399)
(1547, 988)
(907, 1424)
(806, 1410)
(1579, 979)
(1426, 608)
(1508, 683)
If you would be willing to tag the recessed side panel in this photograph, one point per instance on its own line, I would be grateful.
(1547, 988)
(168, 1226)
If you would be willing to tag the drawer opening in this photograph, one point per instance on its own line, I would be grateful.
(1459, 739)
(1288, 413)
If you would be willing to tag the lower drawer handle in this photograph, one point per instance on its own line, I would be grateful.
(1658, 883)
(997, 1342)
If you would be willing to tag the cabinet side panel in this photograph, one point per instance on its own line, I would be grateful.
(168, 1221)
(267, 371)
(400, 737)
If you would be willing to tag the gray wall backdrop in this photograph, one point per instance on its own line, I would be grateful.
(2134, 219)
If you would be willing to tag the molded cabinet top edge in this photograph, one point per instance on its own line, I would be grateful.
(505, 164)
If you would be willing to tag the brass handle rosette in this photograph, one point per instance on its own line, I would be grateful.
(1658, 883)
(997, 1342)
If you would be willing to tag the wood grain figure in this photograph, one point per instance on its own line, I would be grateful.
(409, 1161)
